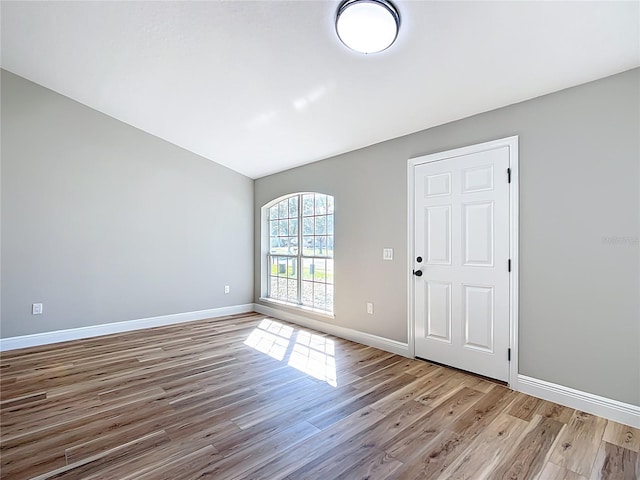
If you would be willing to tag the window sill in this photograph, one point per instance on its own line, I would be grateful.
(314, 311)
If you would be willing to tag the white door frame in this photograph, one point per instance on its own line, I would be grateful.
(512, 143)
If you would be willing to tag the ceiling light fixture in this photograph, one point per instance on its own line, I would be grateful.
(367, 26)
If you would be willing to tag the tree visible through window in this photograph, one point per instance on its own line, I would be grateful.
(300, 258)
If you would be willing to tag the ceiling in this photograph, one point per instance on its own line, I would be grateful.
(263, 86)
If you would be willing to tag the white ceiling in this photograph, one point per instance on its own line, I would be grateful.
(262, 86)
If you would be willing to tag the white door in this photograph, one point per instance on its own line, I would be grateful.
(461, 262)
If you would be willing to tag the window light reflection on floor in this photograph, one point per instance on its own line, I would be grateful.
(271, 338)
(310, 353)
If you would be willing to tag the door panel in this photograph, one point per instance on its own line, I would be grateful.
(477, 179)
(478, 317)
(477, 234)
(439, 311)
(437, 185)
(438, 244)
(461, 227)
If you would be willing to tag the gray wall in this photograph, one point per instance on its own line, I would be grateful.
(579, 228)
(102, 222)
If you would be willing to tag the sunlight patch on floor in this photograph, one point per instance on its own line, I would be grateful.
(271, 338)
(310, 353)
(314, 355)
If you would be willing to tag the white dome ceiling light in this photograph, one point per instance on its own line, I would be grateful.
(367, 26)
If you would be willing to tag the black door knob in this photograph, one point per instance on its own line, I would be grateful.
(417, 273)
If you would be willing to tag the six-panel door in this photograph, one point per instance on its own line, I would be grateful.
(461, 230)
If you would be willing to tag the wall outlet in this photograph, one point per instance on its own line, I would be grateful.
(387, 253)
(370, 308)
(226, 289)
(36, 309)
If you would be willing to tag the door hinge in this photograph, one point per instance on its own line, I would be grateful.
(509, 265)
(508, 175)
(508, 354)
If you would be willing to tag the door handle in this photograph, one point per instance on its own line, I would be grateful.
(417, 273)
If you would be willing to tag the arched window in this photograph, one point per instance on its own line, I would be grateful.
(300, 250)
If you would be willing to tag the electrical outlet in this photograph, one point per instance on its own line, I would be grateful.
(36, 309)
(387, 253)
(226, 289)
(370, 308)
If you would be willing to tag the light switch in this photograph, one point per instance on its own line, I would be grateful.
(36, 309)
(387, 253)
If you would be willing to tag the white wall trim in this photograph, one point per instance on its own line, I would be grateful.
(411, 202)
(588, 402)
(45, 338)
(514, 242)
(300, 308)
(382, 343)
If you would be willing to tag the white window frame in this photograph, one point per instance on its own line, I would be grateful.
(265, 256)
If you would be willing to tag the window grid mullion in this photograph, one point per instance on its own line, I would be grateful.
(300, 247)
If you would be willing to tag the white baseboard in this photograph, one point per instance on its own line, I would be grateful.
(382, 343)
(46, 338)
(587, 402)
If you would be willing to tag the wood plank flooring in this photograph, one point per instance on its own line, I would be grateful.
(251, 397)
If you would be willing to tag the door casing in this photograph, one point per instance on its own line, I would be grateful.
(512, 144)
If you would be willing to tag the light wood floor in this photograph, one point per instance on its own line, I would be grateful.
(250, 397)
